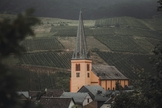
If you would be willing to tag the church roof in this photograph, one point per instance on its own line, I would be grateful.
(80, 51)
(107, 72)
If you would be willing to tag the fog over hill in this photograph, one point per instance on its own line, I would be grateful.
(92, 9)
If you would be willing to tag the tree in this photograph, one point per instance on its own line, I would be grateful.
(159, 7)
(12, 32)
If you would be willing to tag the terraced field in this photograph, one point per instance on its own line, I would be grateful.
(40, 80)
(128, 64)
(44, 43)
(51, 59)
(121, 44)
(121, 21)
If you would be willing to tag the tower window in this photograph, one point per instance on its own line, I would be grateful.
(77, 67)
(88, 67)
(88, 75)
(77, 74)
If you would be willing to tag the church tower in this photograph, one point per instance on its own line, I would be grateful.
(81, 63)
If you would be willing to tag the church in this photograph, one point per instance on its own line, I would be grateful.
(83, 72)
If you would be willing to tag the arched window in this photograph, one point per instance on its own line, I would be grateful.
(88, 67)
(77, 67)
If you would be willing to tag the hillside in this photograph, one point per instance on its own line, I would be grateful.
(124, 42)
(93, 9)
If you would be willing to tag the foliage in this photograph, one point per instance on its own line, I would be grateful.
(131, 100)
(159, 7)
(12, 32)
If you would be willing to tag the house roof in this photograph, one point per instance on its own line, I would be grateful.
(55, 102)
(25, 93)
(100, 97)
(78, 97)
(33, 93)
(94, 89)
(107, 72)
(54, 92)
(93, 104)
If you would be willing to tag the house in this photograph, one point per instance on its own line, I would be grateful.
(34, 95)
(97, 93)
(109, 101)
(92, 90)
(80, 99)
(57, 102)
(24, 95)
(83, 72)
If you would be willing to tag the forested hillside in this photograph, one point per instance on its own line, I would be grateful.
(92, 9)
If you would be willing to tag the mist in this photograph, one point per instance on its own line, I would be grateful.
(92, 9)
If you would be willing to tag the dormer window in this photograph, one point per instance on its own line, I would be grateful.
(77, 67)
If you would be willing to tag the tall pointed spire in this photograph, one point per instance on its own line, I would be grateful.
(80, 51)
